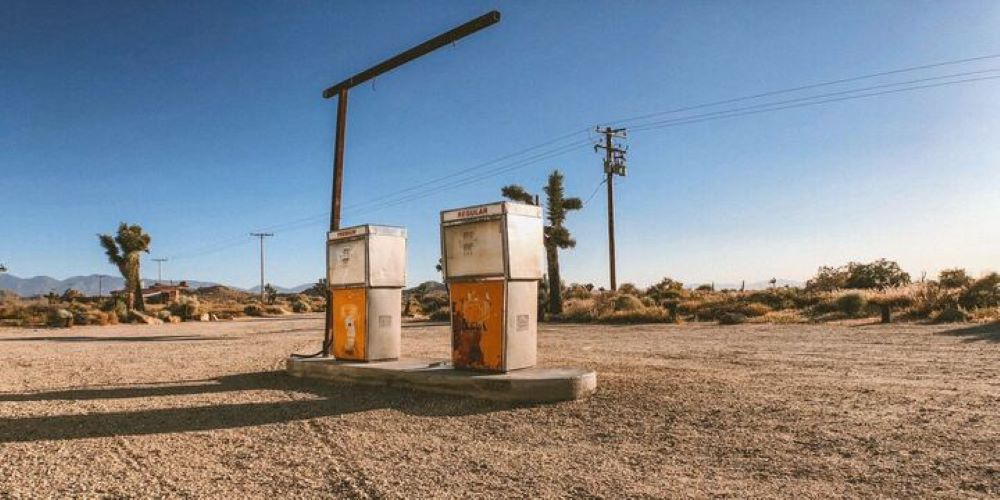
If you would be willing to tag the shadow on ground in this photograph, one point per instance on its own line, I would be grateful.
(146, 338)
(989, 332)
(307, 400)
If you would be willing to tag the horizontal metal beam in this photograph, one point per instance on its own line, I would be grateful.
(483, 21)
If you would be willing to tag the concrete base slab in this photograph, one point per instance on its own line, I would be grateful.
(534, 385)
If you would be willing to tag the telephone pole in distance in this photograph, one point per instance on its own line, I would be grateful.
(159, 269)
(262, 236)
(614, 164)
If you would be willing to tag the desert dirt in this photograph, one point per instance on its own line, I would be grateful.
(204, 410)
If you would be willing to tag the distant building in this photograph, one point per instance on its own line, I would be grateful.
(164, 293)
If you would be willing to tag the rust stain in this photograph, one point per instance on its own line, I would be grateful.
(477, 324)
(349, 320)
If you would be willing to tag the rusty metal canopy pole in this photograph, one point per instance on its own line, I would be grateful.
(340, 90)
(483, 21)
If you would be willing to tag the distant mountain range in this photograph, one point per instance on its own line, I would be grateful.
(91, 285)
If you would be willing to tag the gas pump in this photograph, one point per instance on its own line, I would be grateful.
(492, 256)
(366, 272)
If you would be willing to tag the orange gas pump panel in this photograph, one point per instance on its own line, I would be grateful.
(477, 309)
(350, 309)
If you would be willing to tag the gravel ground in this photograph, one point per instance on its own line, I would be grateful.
(694, 410)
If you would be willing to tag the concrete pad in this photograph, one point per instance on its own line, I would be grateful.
(530, 385)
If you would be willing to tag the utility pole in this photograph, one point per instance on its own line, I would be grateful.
(262, 236)
(340, 91)
(614, 164)
(159, 269)
(100, 286)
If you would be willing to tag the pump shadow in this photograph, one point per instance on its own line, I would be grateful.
(322, 400)
(987, 332)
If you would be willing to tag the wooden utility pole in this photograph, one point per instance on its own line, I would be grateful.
(340, 90)
(614, 164)
(262, 236)
(159, 269)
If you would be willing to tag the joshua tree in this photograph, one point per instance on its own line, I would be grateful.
(123, 251)
(556, 234)
(270, 293)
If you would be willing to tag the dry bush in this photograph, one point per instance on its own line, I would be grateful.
(253, 310)
(732, 318)
(302, 304)
(641, 315)
(951, 315)
(984, 292)
(851, 304)
(276, 310)
(577, 291)
(578, 310)
(627, 302)
(59, 318)
(187, 307)
(782, 317)
(753, 310)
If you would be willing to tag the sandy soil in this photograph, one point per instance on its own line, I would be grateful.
(694, 410)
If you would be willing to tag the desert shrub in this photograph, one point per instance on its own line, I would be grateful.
(440, 315)
(779, 298)
(954, 278)
(828, 279)
(115, 305)
(187, 307)
(59, 318)
(880, 274)
(851, 304)
(164, 315)
(713, 305)
(302, 304)
(253, 310)
(630, 289)
(784, 316)
(753, 310)
(666, 289)
(641, 315)
(627, 302)
(707, 287)
(951, 315)
(891, 298)
(732, 318)
(578, 310)
(434, 302)
(576, 291)
(276, 310)
(984, 292)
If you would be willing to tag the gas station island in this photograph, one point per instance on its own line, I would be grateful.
(492, 259)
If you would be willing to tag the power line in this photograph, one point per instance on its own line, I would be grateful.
(776, 107)
(594, 192)
(806, 87)
(468, 176)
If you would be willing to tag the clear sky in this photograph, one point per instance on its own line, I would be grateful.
(203, 121)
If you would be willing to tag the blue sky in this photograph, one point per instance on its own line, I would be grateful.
(203, 121)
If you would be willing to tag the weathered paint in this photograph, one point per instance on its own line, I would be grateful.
(477, 310)
(349, 323)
